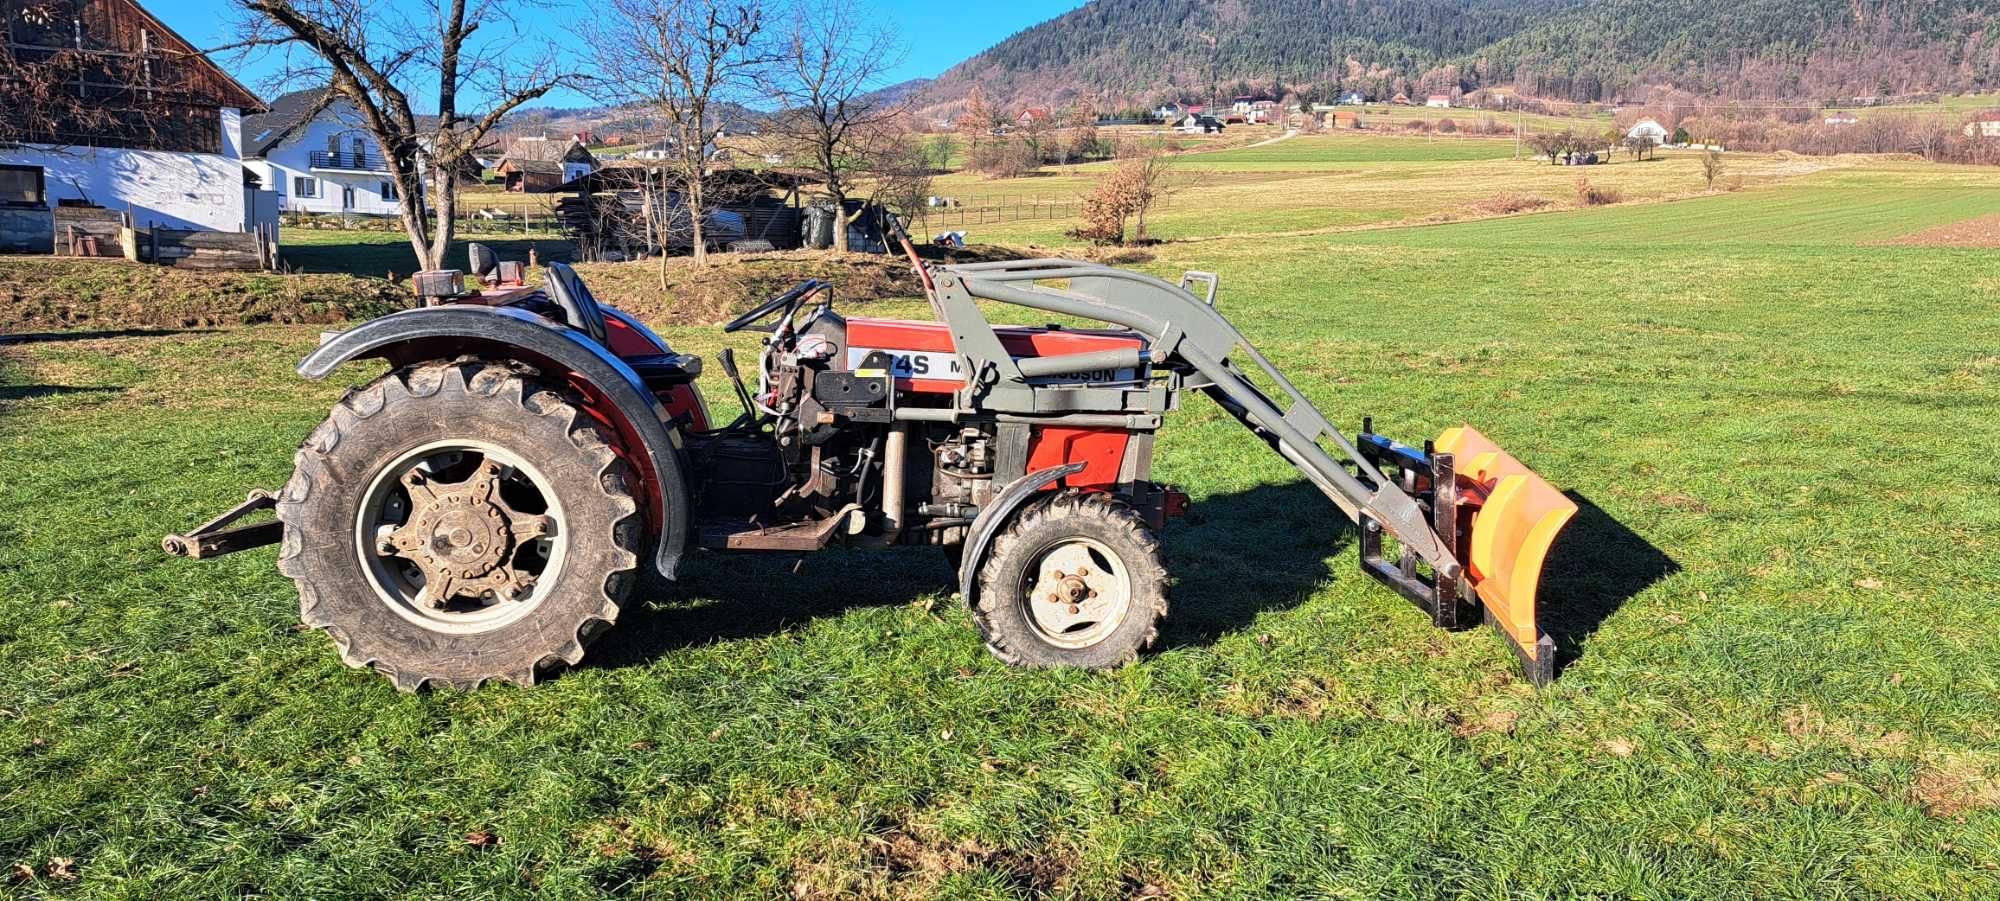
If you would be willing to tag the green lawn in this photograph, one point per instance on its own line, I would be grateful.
(1778, 608)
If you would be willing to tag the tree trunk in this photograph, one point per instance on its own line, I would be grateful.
(409, 207)
(655, 199)
(697, 206)
(841, 220)
(444, 210)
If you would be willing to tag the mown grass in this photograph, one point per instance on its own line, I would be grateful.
(1777, 604)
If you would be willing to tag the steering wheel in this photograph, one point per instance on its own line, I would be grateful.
(788, 301)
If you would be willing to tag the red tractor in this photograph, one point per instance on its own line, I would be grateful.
(482, 509)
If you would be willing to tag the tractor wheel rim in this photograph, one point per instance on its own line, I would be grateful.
(460, 536)
(1077, 593)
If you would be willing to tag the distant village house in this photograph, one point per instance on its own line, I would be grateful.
(1984, 125)
(538, 165)
(1438, 101)
(1841, 120)
(1648, 130)
(1034, 115)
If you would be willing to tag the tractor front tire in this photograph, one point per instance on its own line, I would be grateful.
(458, 522)
(1075, 580)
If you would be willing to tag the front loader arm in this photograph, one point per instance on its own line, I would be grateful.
(1182, 329)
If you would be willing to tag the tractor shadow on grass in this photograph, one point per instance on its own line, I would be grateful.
(10, 393)
(1236, 556)
(1233, 557)
(46, 337)
(1596, 565)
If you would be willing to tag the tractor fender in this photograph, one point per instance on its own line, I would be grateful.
(432, 332)
(979, 538)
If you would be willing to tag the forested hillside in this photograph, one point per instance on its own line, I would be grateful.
(1142, 51)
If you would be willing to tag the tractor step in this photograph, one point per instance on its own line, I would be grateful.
(741, 535)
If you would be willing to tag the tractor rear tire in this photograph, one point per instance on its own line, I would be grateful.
(1075, 580)
(373, 584)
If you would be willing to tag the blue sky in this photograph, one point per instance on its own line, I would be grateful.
(936, 35)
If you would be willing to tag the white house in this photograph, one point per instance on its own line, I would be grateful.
(662, 149)
(1841, 120)
(319, 160)
(1650, 130)
(1438, 101)
(1984, 125)
(184, 170)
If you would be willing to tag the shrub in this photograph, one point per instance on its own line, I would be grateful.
(1125, 194)
(1506, 202)
(1446, 126)
(1592, 195)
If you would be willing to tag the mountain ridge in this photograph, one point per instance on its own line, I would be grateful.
(1138, 52)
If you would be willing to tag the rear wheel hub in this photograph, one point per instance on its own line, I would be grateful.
(453, 548)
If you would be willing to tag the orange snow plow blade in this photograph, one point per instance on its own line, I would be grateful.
(1515, 516)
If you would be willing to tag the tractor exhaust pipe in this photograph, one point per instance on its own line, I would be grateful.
(895, 451)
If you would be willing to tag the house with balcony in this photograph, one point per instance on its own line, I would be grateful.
(171, 155)
(315, 153)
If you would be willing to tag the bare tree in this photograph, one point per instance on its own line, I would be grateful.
(378, 56)
(1711, 167)
(1079, 136)
(830, 120)
(1036, 124)
(942, 149)
(903, 175)
(1553, 144)
(976, 121)
(683, 59)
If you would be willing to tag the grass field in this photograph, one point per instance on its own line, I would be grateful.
(1777, 605)
(1332, 182)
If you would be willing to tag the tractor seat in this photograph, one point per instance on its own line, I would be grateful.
(569, 293)
(662, 371)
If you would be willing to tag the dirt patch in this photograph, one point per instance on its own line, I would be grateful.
(1809, 725)
(44, 293)
(1954, 784)
(907, 862)
(1982, 232)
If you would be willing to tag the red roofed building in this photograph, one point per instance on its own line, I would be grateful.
(1984, 125)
